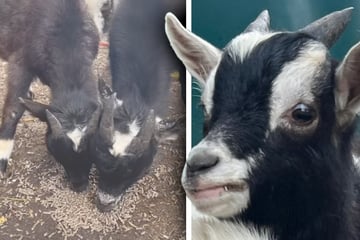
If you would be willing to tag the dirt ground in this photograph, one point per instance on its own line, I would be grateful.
(36, 202)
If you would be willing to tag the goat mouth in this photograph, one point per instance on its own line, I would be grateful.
(217, 191)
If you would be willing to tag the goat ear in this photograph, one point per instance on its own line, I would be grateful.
(36, 109)
(347, 91)
(104, 88)
(198, 56)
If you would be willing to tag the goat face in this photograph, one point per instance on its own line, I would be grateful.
(72, 121)
(274, 103)
(124, 148)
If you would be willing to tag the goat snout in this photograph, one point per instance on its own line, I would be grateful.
(79, 186)
(106, 202)
(201, 161)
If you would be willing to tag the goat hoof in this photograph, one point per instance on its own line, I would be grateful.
(78, 186)
(106, 202)
(4, 170)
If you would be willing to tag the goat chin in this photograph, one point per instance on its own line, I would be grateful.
(205, 227)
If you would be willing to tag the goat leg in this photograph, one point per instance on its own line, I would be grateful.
(18, 83)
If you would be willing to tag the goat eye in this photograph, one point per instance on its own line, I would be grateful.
(303, 114)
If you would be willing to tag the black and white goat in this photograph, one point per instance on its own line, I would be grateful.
(57, 42)
(141, 62)
(275, 162)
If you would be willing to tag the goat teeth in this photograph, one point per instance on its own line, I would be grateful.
(226, 188)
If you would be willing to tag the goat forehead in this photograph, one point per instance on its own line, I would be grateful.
(237, 49)
(122, 140)
(247, 91)
(242, 45)
(237, 80)
(240, 83)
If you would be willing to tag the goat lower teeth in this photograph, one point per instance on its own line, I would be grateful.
(226, 188)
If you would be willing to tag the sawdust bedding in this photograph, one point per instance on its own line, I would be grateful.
(36, 202)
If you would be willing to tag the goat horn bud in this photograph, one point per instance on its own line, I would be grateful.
(148, 128)
(329, 28)
(94, 120)
(54, 124)
(107, 119)
(260, 24)
(104, 89)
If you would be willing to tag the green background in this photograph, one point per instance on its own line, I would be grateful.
(219, 21)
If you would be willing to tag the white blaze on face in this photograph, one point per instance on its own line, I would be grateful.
(6, 146)
(296, 81)
(75, 136)
(123, 140)
(356, 160)
(158, 119)
(119, 102)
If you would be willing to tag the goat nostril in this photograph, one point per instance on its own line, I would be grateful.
(202, 161)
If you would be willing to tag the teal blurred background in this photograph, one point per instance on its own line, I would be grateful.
(219, 21)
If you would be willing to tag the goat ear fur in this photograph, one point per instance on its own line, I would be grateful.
(198, 56)
(347, 92)
(36, 109)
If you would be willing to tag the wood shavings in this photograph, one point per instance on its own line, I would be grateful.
(38, 203)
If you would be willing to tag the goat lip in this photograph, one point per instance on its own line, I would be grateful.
(212, 192)
(216, 190)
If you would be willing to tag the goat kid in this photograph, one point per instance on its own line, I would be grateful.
(275, 161)
(57, 42)
(141, 61)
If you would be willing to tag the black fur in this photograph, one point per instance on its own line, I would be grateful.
(57, 41)
(141, 63)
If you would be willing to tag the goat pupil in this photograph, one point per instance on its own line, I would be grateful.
(303, 114)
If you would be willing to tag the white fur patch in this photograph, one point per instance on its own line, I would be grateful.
(356, 160)
(295, 82)
(228, 170)
(119, 102)
(75, 136)
(123, 140)
(242, 45)
(208, 91)
(106, 198)
(6, 147)
(94, 8)
(158, 119)
(209, 228)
